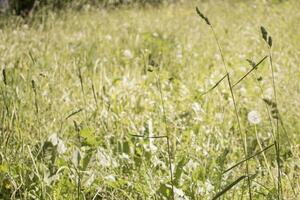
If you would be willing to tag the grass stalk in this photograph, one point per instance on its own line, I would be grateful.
(248, 158)
(77, 129)
(166, 128)
(269, 42)
(263, 154)
(232, 96)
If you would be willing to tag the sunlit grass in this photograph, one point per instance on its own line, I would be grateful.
(88, 81)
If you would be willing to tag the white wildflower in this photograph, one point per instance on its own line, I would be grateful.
(254, 117)
(128, 54)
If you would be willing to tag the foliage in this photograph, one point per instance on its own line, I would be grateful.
(85, 95)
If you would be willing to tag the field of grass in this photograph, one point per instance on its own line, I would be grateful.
(102, 104)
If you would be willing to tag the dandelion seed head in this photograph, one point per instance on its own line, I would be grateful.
(254, 117)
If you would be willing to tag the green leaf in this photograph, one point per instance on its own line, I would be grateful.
(228, 187)
(87, 158)
(179, 170)
(89, 136)
(165, 190)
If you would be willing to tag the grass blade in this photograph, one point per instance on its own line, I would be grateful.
(215, 85)
(228, 187)
(249, 72)
(74, 113)
(244, 160)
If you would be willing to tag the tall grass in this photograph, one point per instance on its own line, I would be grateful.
(144, 103)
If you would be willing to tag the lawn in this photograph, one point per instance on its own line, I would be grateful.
(135, 103)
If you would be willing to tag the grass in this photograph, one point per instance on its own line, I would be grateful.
(88, 98)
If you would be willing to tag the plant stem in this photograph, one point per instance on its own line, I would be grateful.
(235, 109)
(277, 143)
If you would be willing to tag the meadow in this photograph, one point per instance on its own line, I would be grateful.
(152, 102)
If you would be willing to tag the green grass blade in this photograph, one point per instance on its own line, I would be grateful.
(228, 187)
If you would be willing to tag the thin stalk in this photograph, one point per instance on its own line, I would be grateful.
(94, 94)
(248, 158)
(249, 72)
(235, 109)
(77, 129)
(269, 117)
(277, 144)
(161, 98)
(263, 153)
(34, 88)
(167, 132)
(82, 90)
(170, 167)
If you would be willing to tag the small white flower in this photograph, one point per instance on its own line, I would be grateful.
(254, 117)
(128, 54)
